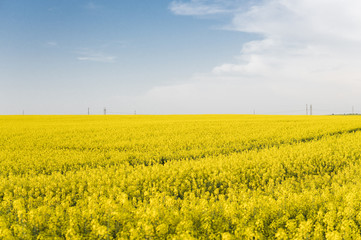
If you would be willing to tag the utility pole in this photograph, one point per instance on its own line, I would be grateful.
(310, 109)
(88, 111)
(105, 111)
(254, 111)
(306, 109)
(23, 112)
(353, 110)
(135, 112)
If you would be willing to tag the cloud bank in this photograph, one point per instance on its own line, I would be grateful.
(309, 52)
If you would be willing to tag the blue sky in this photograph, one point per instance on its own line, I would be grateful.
(176, 57)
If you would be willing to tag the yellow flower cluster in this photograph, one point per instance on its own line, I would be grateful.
(180, 177)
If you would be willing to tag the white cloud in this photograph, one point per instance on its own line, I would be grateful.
(95, 56)
(310, 52)
(196, 8)
(208, 7)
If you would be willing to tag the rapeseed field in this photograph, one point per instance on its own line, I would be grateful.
(180, 177)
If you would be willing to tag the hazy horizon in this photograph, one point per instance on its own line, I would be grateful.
(180, 57)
